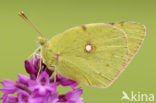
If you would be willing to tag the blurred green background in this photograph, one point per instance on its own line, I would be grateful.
(18, 39)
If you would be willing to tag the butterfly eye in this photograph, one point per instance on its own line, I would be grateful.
(41, 40)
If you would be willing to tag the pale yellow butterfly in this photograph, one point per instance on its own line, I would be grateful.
(92, 54)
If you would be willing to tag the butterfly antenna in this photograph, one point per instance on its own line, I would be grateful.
(21, 14)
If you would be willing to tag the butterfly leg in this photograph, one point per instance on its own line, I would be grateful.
(33, 54)
(55, 74)
(40, 67)
(53, 67)
(40, 63)
(35, 51)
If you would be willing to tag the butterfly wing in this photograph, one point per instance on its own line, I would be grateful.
(135, 33)
(92, 54)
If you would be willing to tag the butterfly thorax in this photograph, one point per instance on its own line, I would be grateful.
(50, 58)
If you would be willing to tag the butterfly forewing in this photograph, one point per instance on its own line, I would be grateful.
(91, 54)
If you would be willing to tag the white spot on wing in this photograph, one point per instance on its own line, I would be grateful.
(88, 47)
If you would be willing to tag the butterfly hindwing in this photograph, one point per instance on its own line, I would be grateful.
(135, 33)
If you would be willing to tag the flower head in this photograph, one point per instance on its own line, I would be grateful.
(41, 89)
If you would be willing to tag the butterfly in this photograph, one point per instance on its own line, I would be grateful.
(92, 54)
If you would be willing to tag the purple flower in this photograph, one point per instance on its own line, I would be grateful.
(51, 98)
(60, 80)
(42, 84)
(10, 99)
(71, 97)
(29, 67)
(32, 67)
(24, 80)
(9, 86)
(67, 82)
(41, 89)
(23, 97)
